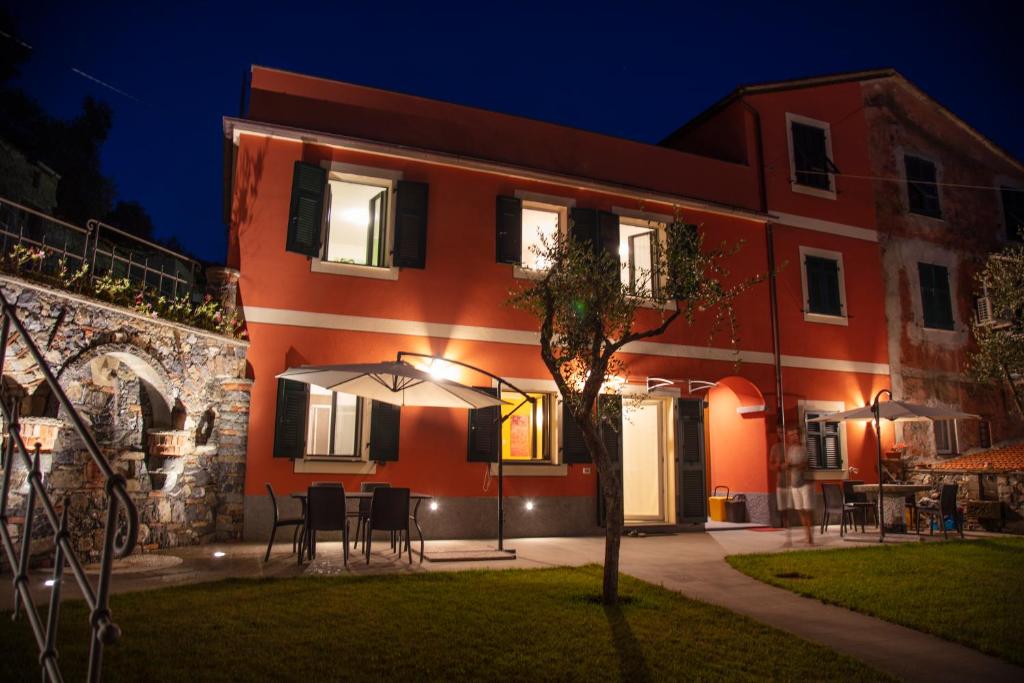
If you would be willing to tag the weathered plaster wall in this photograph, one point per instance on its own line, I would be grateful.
(128, 375)
(932, 365)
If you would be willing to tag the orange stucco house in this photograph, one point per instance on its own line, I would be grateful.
(365, 222)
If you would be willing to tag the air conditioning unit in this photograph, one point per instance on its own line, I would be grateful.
(983, 310)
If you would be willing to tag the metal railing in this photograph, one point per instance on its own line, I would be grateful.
(119, 541)
(106, 250)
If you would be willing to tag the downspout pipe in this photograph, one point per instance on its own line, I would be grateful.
(773, 292)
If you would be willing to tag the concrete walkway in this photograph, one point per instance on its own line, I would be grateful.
(692, 564)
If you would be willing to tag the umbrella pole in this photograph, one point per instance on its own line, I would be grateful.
(876, 408)
(881, 506)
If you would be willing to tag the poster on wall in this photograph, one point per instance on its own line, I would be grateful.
(519, 437)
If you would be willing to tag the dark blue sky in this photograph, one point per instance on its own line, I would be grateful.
(630, 68)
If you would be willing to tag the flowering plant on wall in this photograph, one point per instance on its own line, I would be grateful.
(207, 314)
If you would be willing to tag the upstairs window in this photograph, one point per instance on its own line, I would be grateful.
(541, 224)
(823, 287)
(811, 156)
(356, 223)
(1013, 212)
(523, 227)
(922, 187)
(823, 443)
(638, 256)
(936, 304)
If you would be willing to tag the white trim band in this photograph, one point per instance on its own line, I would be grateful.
(829, 227)
(501, 335)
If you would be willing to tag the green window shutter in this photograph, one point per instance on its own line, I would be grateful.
(574, 450)
(812, 441)
(385, 420)
(608, 232)
(290, 422)
(1013, 212)
(484, 439)
(509, 230)
(690, 450)
(306, 215)
(411, 225)
(810, 156)
(823, 286)
(584, 226)
(833, 447)
(936, 304)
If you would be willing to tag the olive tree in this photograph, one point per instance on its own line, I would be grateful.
(588, 312)
(999, 327)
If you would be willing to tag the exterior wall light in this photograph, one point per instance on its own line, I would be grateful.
(49, 583)
(219, 553)
(529, 506)
(434, 506)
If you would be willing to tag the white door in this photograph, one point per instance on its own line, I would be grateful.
(643, 462)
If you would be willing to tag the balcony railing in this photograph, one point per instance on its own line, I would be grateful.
(106, 250)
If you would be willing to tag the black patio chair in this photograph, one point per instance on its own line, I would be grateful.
(946, 510)
(859, 500)
(362, 515)
(297, 522)
(835, 505)
(325, 511)
(389, 511)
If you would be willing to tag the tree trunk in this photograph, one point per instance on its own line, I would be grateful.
(613, 522)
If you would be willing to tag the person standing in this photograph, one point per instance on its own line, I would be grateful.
(783, 499)
(801, 490)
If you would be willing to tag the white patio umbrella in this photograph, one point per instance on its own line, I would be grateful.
(902, 411)
(395, 382)
(401, 383)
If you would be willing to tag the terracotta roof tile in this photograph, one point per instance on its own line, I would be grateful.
(1004, 459)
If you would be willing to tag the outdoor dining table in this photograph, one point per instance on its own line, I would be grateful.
(359, 495)
(893, 502)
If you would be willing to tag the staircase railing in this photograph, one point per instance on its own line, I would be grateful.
(119, 541)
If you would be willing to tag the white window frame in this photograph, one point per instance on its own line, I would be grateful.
(542, 202)
(553, 467)
(322, 463)
(793, 184)
(815, 406)
(821, 317)
(659, 222)
(365, 175)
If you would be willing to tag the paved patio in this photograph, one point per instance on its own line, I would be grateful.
(691, 563)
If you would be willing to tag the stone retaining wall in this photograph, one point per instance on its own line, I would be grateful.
(974, 487)
(138, 382)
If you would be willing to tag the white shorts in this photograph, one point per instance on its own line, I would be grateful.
(802, 497)
(784, 498)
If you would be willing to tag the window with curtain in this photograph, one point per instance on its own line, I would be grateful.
(332, 423)
(523, 423)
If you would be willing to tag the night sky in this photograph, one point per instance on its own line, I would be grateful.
(631, 69)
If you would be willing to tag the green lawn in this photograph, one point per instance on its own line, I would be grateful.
(496, 625)
(968, 591)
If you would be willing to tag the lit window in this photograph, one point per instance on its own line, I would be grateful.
(357, 223)
(540, 224)
(522, 424)
(638, 245)
(332, 424)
